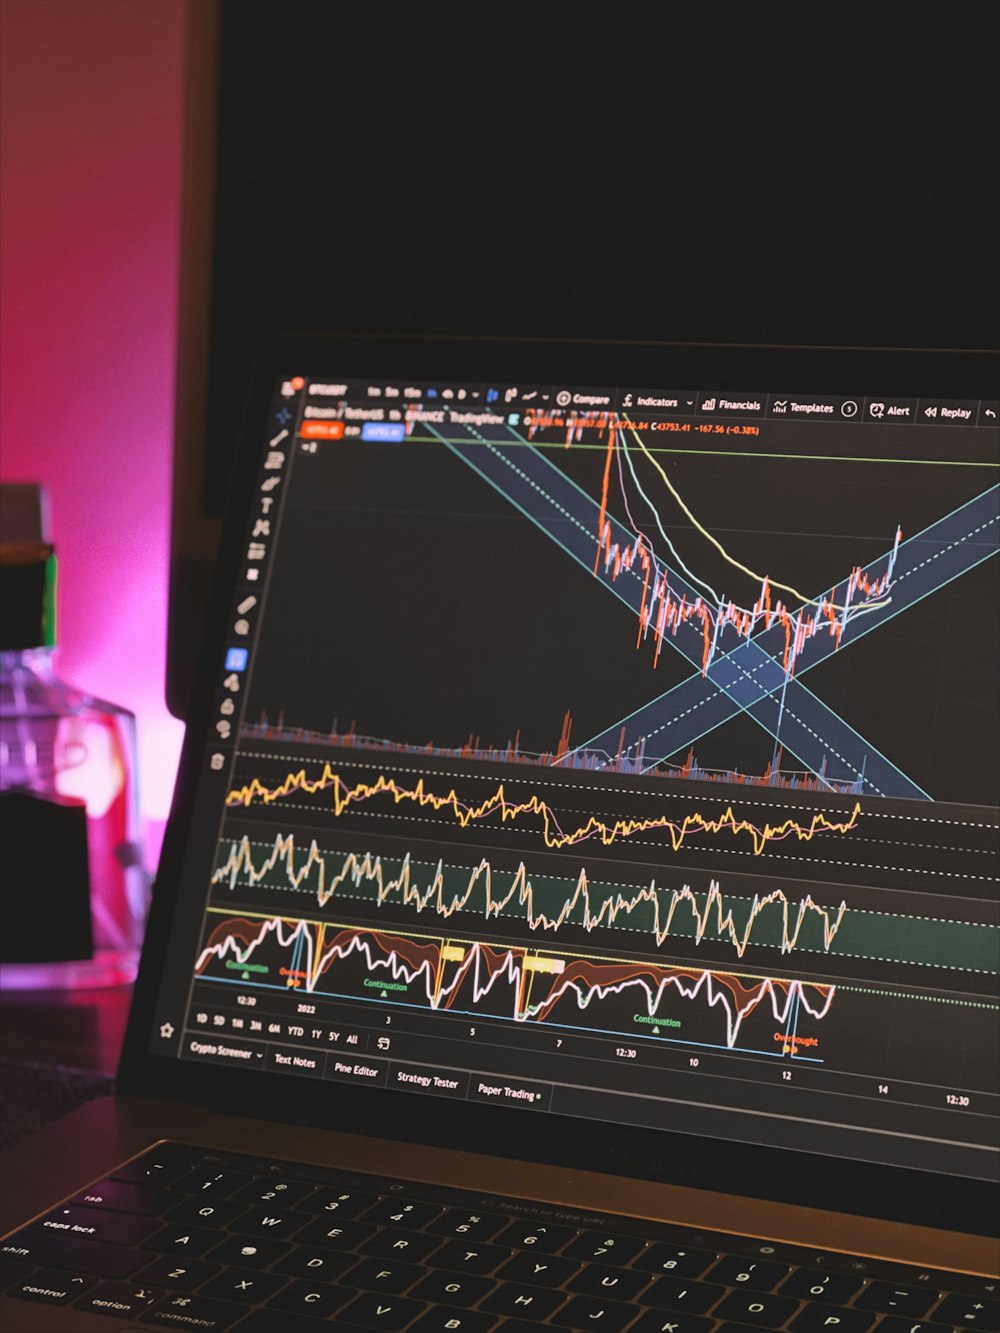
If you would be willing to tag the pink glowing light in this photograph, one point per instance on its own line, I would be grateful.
(91, 117)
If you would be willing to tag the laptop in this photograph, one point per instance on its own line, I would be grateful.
(579, 905)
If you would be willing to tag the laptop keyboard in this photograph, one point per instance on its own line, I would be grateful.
(185, 1238)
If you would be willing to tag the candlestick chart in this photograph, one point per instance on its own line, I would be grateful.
(599, 553)
(750, 656)
(665, 607)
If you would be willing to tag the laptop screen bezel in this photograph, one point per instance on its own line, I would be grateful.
(830, 1182)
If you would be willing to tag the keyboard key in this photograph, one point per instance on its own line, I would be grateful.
(98, 1224)
(318, 1299)
(893, 1324)
(544, 1237)
(317, 1265)
(182, 1240)
(412, 1245)
(177, 1274)
(895, 1298)
(815, 1284)
(752, 1274)
(679, 1260)
(160, 1166)
(673, 1293)
(657, 1321)
(601, 1245)
(815, 1318)
(199, 1312)
(275, 1190)
(450, 1319)
(469, 1257)
(736, 1328)
(270, 1320)
(73, 1253)
(51, 1286)
(541, 1270)
(126, 1198)
(607, 1283)
(756, 1308)
(343, 1202)
(390, 1275)
(455, 1288)
(247, 1250)
(119, 1300)
(967, 1312)
(335, 1235)
(244, 1284)
(408, 1214)
(13, 1270)
(211, 1180)
(586, 1312)
(521, 1301)
(372, 1310)
(271, 1222)
(204, 1212)
(470, 1224)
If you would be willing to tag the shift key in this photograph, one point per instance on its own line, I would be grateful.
(73, 1253)
(98, 1224)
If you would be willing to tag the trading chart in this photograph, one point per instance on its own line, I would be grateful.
(619, 761)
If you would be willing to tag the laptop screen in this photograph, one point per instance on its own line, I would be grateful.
(625, 753)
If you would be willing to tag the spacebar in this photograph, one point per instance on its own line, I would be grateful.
(82, 1256)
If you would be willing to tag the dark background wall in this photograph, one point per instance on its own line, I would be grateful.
(671, 171)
